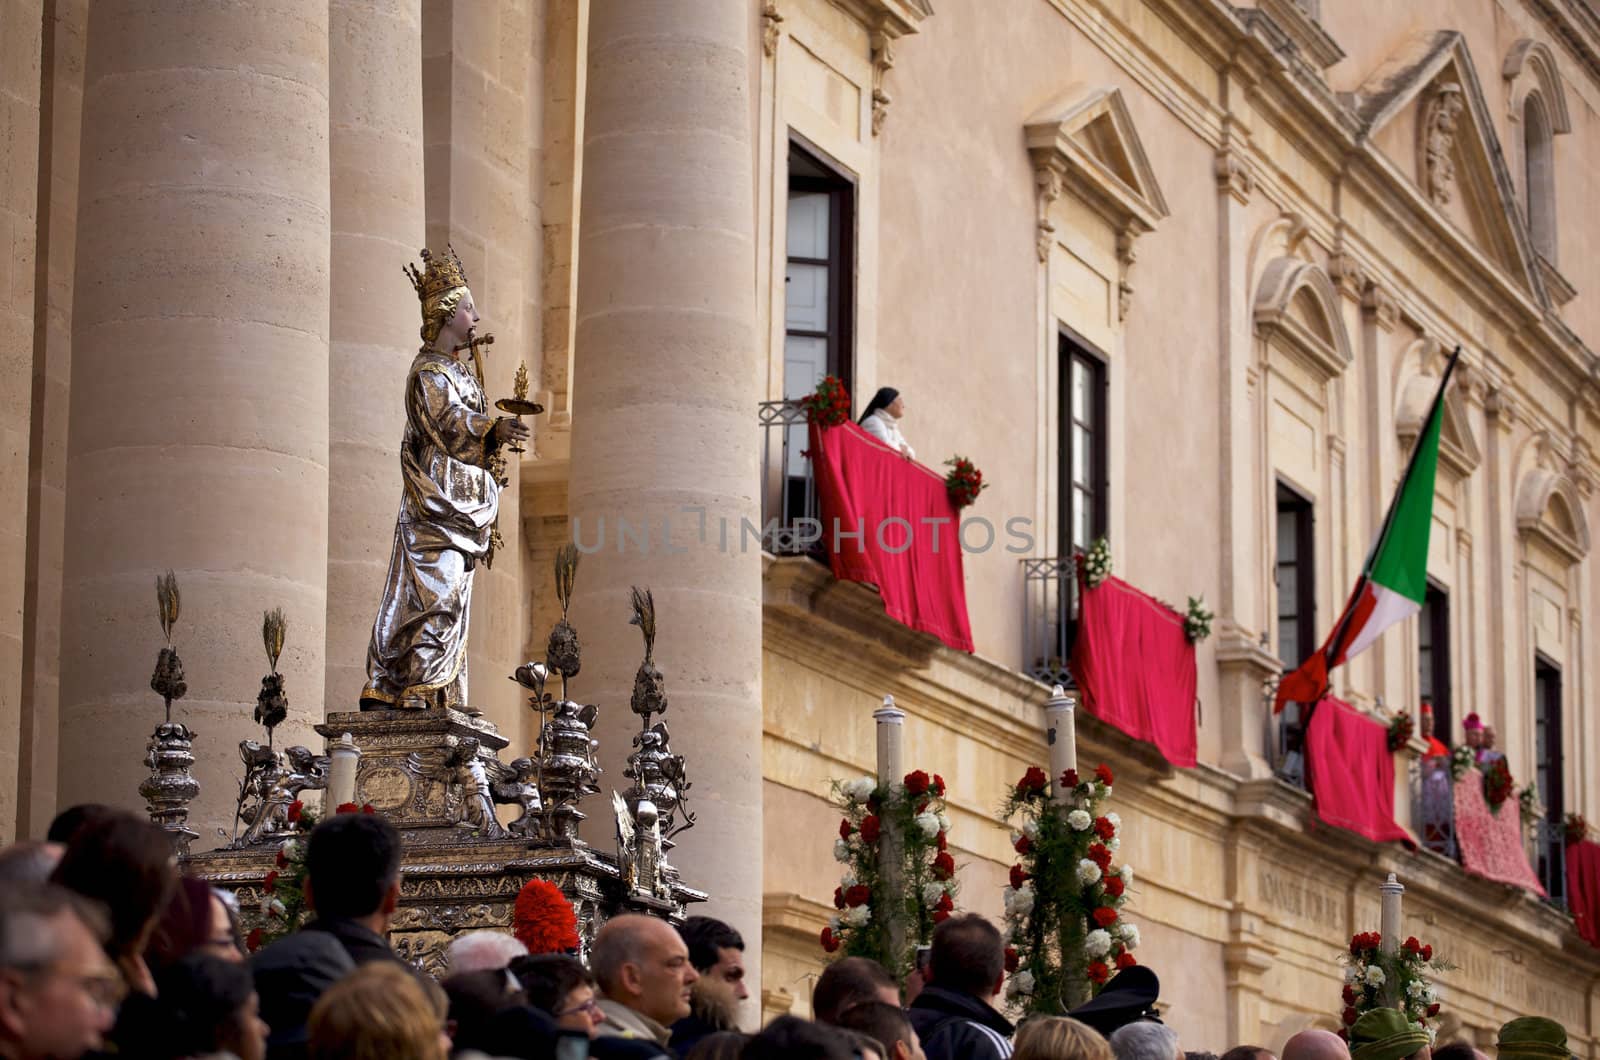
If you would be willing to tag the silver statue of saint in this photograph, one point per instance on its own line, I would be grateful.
(449, 459)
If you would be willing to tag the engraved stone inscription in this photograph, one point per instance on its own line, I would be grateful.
(386, 787)
(1299, 898)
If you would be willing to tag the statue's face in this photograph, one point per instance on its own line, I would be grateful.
(459, 329)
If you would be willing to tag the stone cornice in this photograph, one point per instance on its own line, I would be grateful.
(1576, 26)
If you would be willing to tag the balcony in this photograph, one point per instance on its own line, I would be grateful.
(791, 523)
(1049, 618)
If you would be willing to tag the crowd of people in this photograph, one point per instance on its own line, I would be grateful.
(106, 950)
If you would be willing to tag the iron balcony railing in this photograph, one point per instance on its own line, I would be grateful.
(1049, 618)
(1433, 806)
(790, 513)
(1550, 859)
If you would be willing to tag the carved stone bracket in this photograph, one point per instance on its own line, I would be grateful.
(882, 62)
(1233, 175)
(771, 27)
(1348, 275)
(1047, 179)
(1378, 303)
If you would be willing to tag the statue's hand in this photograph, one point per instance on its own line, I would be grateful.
(507, 429)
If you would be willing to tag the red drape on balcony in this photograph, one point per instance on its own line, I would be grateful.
(1135, 667)
(908, 545)
(1351, 772)
(1583, 889)
(1491, 843)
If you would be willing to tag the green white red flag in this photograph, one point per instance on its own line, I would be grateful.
(1394, 581)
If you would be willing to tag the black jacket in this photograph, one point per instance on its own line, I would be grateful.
(687, 1032)
(956, 1026)
(290, 975)
(359, 941)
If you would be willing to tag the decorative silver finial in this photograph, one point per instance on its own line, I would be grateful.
(169, 755)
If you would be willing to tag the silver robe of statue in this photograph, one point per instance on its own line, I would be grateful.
(418, 654)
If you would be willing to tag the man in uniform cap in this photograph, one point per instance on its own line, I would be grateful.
(1533, 1038)
(1130, 996)
(1386, 1034)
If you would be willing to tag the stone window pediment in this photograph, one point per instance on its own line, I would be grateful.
(895, 17)
(1089, 146)
(1458, 449)
(1296, 308)
(1550, 511)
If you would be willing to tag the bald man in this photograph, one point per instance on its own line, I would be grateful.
(643, 969)
(1316, 1045)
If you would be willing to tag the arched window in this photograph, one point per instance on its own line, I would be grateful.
(1538, 174)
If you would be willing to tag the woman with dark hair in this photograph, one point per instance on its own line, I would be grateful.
(207, 1009)
(194, 921)
(882, 420)
(126, 864)
(562, 987)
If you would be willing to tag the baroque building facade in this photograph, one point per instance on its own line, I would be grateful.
(1181, 274)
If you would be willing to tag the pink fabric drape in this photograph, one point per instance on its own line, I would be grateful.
(1135, 667)
(908, 544)
(1491, 843)
(1351, 772)
(1583, 889)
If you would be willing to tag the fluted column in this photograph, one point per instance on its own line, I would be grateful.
(665, 394)
(199, 416)
(375, 149)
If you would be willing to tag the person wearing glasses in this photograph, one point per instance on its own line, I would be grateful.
(561, 986)
(59, 991)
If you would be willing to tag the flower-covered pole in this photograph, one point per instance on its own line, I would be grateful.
(1061, 735)
(891, 767)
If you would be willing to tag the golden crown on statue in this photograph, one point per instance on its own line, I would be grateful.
(437, 275)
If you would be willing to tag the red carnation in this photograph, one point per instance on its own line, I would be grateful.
(282, 860)
(937, 787)
(830, 942)
(946, 903)
(1104, 828)
(940, 916)
(917, 782)
(252, 941)
(944, 866)
(1427, 953)
(1344, 1034)
(869, 828)
(1433, 1009)
(942, 842)
(1033, 782)
(1349, 994)
(296, 808)
(845, 828)
(270, 884)
(1069, 779)
(1125, 960)
(838, 897)
(1350, 1015)
(1019, 876)
(1099, 972)
(1411, 945)
(860, 894)
(1023, 845)
(1100, 854)
(1013, 959)
(543, 920)
(1102, 773)
(367, 807)
(1105, 916)
(347, 807)
(1114, 886)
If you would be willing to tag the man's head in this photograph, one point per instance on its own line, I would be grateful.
(792, 1038)
(1488, 737)
(1458, 1050)
(353, 868)
(851, 981)
(482, 951)
(1049, 1037)
(1251, 1052)
(1316, 1045)
(29, 861)
(69, 820)
(717, 952)
(58, 992)
(641, 962)
(887, 1025)
(1145, 1040)
(969, 956)
(1472, 728)
(1426, 726)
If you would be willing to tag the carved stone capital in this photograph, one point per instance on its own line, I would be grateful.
(1377, 302)
(882, 46)
(1348, 275)
(771, 27)
(1501, 407)
(1047, 179)
(1233, 174)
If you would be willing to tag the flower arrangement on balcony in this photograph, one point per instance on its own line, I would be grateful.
(1197, 620)
(1528, 803)
(828, 405)
(1497, 784)
(1095, 564)
(1461, 760)
(1374, 979)
(1574, 829)
(1064, 926)
(963, 482)
(1401, 728)
(915, 811)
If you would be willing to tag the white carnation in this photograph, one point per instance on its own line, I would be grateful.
(1415, 988)
(1107, 793)
(1130, 935)
(833, 922)
(1088, 872)
(1020, 985)
(1030, 828)
(1375, 976)
(931, 893)
(1127, 875)
(1019, 902)
(928, 823)
(1116, 822)
(1351, 974)
(1079, 820)
(277, 908)
(290, 848)
(860, 790)
(1097, 943)
(856, 916)
(1113, 844)
(848, 880)
(944, 823)
(841, 850)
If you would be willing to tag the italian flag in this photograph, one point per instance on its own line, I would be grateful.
(1395, 579)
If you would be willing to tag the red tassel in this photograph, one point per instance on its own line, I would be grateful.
(543, 920)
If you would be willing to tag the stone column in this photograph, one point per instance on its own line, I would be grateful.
(20, 26)
(199, 415)
(375, 151)
(664, 421)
